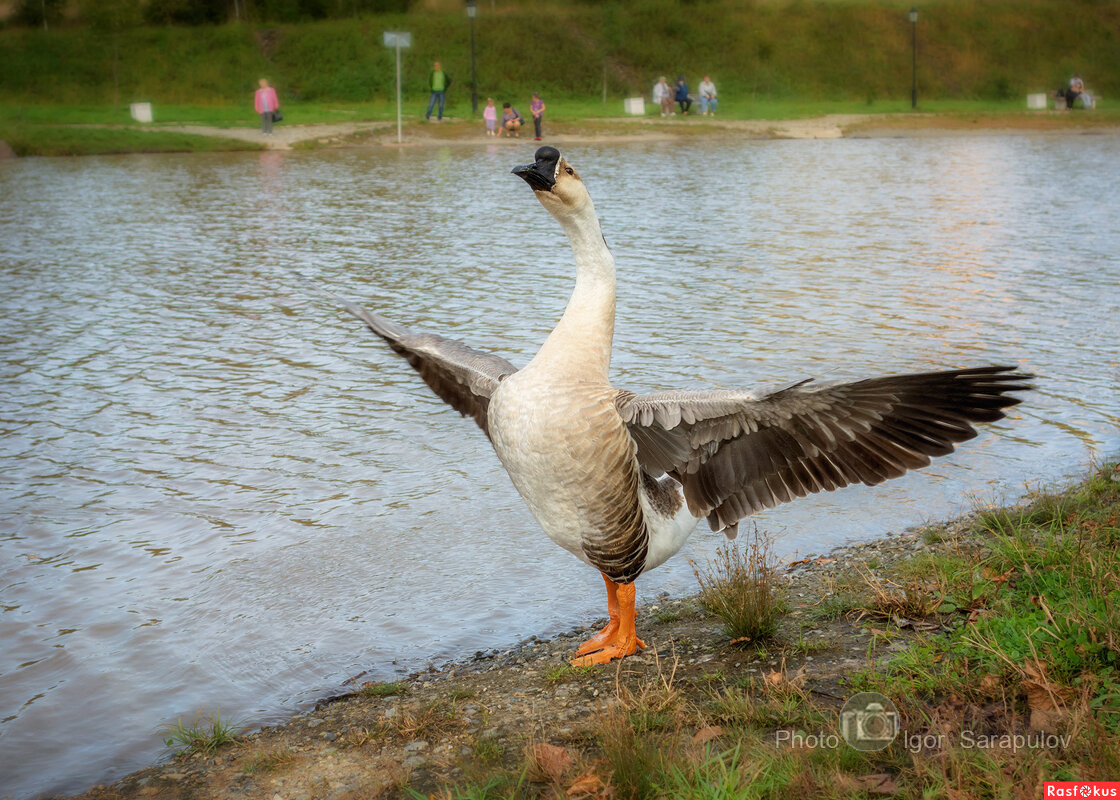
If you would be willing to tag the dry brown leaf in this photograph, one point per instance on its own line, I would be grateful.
(705, 735)
(589, 784)
(740, 640)
(1043, 698)
(990, 684)
(553, 761)
(881, 783)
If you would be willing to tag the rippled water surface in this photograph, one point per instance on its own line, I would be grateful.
(220, 492)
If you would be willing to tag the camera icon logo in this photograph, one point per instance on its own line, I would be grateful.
(869, 721)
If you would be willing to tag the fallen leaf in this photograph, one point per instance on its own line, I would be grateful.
(589, 784)
(990, 684)
(741, 640)
(1043, 698)
(553, 761)
(705, 735)
(881, 783)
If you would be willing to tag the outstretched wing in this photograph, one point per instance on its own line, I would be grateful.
(736, 453)
(463, 378)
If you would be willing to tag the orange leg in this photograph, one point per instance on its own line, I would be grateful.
(619, 638)
(605, 636)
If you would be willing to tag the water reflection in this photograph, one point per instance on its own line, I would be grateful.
(219, 492)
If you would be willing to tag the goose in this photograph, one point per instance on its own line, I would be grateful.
(620, 479)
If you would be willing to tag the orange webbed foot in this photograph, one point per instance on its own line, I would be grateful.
(619, 638)
(599, 640)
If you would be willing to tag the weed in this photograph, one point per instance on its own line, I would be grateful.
(740, 589)
(487, 748)
(204, 736)
(889, 598)
(564, 672)
(270, 761)
(380, 689)
(432, 719)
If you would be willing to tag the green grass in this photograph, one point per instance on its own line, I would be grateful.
(740, 589)
(52, 140)
(1032, 644)
(857, 52)
(1042, 606)
(382, 689)
(204, 735)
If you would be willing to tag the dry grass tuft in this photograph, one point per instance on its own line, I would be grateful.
(740, 589)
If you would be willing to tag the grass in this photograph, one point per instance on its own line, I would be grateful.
(565, 672)
(739, 588)
(857, 51)
(1026, 605)
(267, 762)
(204, 735)
(382, 689)
(38, 129)
(31, 139)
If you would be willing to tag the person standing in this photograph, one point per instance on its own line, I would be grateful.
(708, 96)
(663, 96)
(490, 114)
(536, 108)
(266, 103)
(438, 82)
(682, 97)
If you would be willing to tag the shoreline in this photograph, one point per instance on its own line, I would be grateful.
(649, 129)
(469, 720)
(454, 131)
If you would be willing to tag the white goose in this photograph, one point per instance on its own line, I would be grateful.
(621, 480)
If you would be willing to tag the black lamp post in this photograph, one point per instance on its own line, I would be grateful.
(472, 10)
(914, 51)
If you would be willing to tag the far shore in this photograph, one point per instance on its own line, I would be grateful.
(457, 131)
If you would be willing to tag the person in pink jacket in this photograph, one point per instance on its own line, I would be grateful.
(266, 104)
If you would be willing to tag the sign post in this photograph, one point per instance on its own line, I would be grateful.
(398, 39)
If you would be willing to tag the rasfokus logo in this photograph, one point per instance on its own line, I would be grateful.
(1083, 790)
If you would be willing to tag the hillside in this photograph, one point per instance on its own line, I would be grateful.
(768, 49)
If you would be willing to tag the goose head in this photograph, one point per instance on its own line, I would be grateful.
(555, 183)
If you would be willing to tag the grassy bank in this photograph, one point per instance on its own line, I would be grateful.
(855, 50)
(771, 59)
(1008, 676)
(996, 637)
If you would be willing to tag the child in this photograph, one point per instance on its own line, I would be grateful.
(511, 121)
(536, 108)
(490, 114)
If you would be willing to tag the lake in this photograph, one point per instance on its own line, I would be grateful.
(220, 492)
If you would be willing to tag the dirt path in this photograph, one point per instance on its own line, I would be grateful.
(283, 135)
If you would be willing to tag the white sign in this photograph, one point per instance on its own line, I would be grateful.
(141, 112)
(398, 39)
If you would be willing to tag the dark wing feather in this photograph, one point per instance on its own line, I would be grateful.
(736, 453)
(462, 377)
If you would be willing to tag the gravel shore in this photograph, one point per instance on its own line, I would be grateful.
(441, 726)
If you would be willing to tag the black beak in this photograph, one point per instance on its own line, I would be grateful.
(541, 174)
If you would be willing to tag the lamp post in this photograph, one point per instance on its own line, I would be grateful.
(914, 53)
(472, 10)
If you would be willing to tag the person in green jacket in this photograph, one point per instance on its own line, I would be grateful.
(439, 82)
